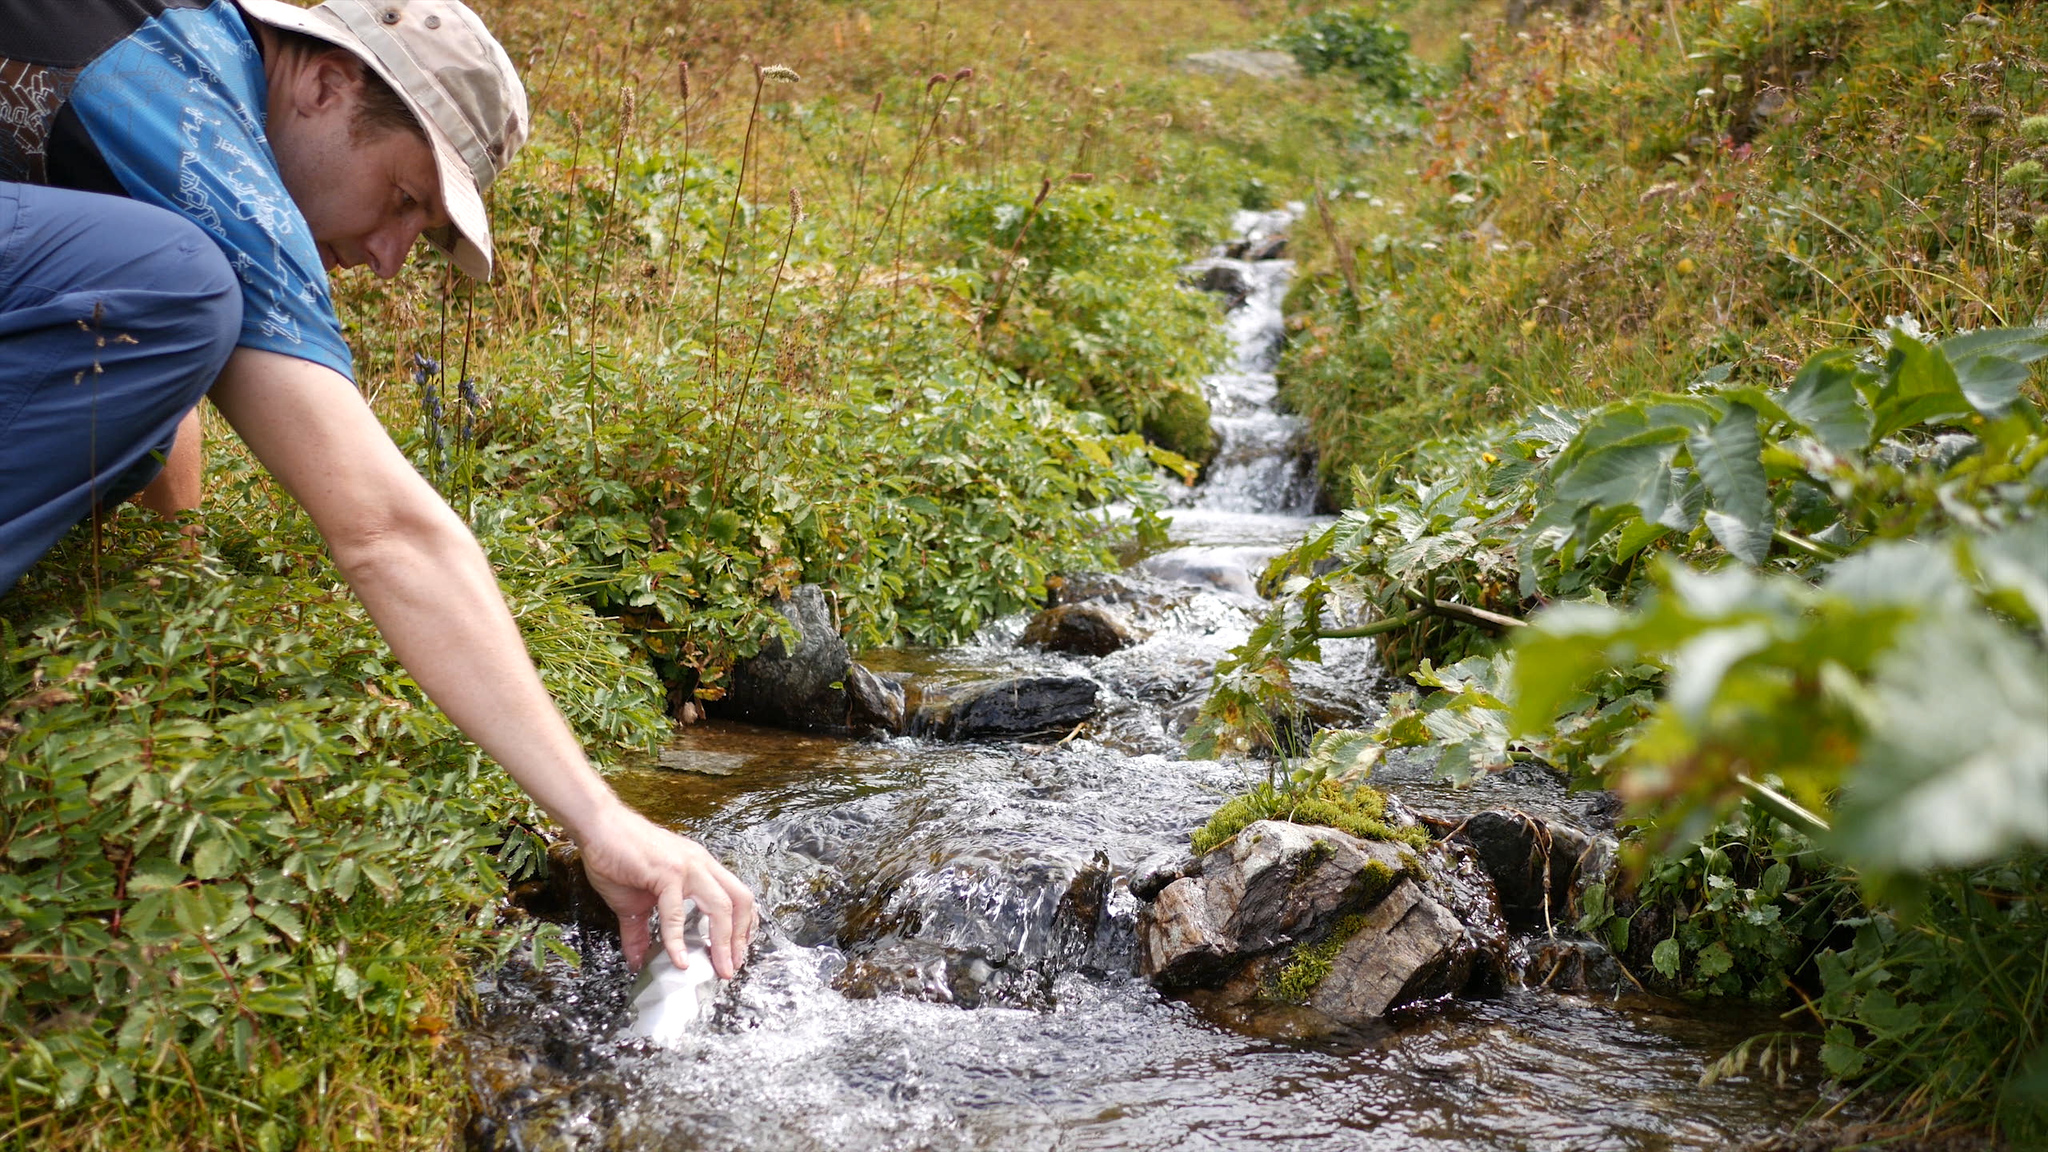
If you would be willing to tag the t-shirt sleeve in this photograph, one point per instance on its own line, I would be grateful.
(176, 111)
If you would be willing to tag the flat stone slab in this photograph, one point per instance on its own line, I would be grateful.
(1256, 64)
(1019, 708)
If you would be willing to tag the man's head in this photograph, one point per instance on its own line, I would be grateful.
(389, 118)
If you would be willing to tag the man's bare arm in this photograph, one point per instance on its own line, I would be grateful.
(426, 583)
(176, 488)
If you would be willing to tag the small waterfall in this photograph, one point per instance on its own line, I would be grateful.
(1262, 463)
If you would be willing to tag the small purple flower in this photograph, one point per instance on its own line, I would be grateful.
(424, 368)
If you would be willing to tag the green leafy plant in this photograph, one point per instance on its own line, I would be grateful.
(1077, 290)
(1824, 693)
(236, 834)
(1359, 44)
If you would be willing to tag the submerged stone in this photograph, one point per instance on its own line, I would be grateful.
(1012, 709)
(1088, 629)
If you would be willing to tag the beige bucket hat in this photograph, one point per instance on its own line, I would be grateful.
(441, 60)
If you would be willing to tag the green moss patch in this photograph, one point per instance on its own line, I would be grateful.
(1180, 424)
(1361, 811)
(1310, 964)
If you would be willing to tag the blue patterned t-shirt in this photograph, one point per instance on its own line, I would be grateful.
(164, 101)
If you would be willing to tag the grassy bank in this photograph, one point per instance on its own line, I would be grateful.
(1615, 205)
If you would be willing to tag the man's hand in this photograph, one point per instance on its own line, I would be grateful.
(639, 867)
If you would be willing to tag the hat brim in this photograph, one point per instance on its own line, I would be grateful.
(467, 238)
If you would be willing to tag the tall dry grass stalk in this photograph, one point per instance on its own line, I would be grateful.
(732, 219)
(628, 105)
(1004, 281)
(738, 415)
(675, 218)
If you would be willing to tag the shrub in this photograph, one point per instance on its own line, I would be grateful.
(1078, 291)
(1359, 44)
(238, 839)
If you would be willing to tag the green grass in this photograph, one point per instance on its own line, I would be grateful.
(1594, 214)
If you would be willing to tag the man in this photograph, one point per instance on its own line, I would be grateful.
(176, 178)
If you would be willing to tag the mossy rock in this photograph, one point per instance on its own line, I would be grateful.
(1180, 424)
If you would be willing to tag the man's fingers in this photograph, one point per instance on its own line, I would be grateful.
(675, 915)
(717, 909)
(746, 916)
(633, 940)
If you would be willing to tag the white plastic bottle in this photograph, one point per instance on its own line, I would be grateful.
(668, 1002)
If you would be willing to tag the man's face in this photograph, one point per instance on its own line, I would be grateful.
(366, 194)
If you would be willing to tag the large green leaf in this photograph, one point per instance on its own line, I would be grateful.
(1920, 386)
(1729, 460)
(1956, 769)
(2015, 564)
(1825, 398)
(1635, 474)
(1991, 365)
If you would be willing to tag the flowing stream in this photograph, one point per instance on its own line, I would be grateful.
(948, 936)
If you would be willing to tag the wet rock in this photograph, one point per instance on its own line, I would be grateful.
(874, 703)
(565, 895)
(1155, 872)
(1572, 966)
(1252, 64)
(1225, 570)
(1305, 915)
(1268, 885)
(1149, 604)
(1082, 587)
(1089, 629)
(793, 686)
(1257, 247)
(1538, 867)
(1014, 709)
(1224, 277)
(1180, 943)
(1409, 948)
(1265, 248)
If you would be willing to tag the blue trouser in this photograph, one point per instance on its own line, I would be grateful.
(115, 317)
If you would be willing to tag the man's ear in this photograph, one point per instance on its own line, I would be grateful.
(330, 81)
